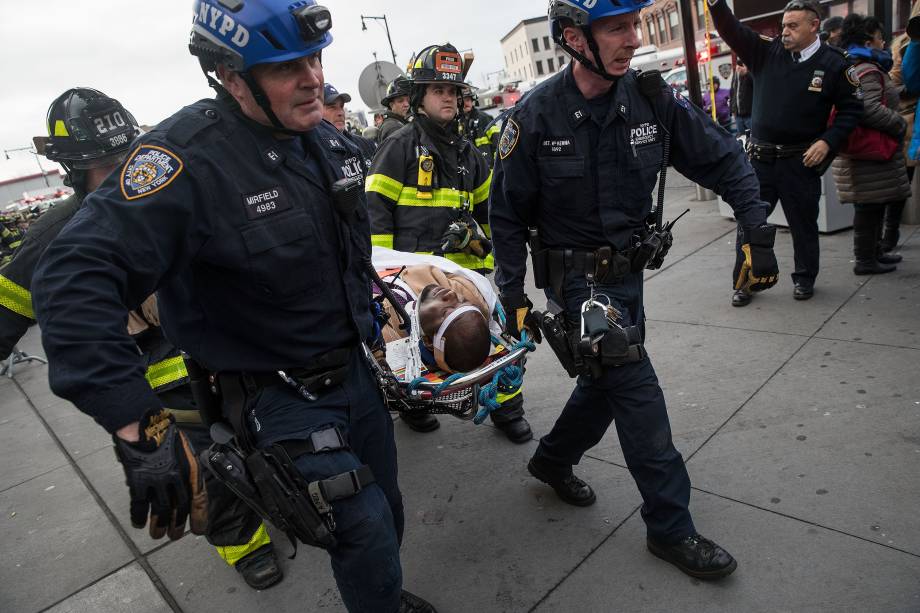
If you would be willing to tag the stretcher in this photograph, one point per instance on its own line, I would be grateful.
(410, 385)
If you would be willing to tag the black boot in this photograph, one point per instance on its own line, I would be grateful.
(567, 486)
(420, 422)
(410, 603)
(697, 556)
(891, 233)
(866, 222)
(260, 569)
(517, 430)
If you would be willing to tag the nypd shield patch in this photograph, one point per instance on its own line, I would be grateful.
(509, 138)
(148, 170)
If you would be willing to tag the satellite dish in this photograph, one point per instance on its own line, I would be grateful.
(372, 84)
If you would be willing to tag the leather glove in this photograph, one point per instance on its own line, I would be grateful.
(518, 316)
(163, 478)
(759, 270)
(456, 238)
(480, 245)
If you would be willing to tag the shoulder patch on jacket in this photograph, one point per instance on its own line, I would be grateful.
(148, 170)
(509, 139)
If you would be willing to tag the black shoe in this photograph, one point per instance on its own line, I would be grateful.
(741, 298)
(802, 291)
(517, 430)
(697, 556)
(420, 422)
(260, 569)
(410, 603)
(872, 267)
(889, 258)
(569, 488)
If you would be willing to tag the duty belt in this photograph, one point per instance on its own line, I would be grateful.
(768, 152)
(323, 372)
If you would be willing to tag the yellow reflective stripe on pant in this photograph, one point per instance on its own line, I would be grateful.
(16, 298)
(382, 240)
(234, 553)
(166, 371)
(503, 398)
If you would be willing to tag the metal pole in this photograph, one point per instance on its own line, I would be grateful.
(693, 71)
(390, 40)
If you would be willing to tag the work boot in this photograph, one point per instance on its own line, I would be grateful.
(697, 556)
(260, 569)
(892, 224)
(517, 430)
(888, 258)
(410, 603)
(567, 486)
(741, 298)
(866, 222)
(420, 422)
(803, 291)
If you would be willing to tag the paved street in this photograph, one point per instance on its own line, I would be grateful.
(799, 421)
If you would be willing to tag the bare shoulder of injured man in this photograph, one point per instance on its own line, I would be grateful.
(452, 314)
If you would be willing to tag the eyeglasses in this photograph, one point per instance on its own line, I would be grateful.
(800, 5)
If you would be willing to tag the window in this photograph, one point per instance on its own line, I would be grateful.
(700, 23)
(661, 29)
(549, 65)
(651, 32)
(674, 22)
(536, 44)
(561, 62)
(539, 67)
(546, 43)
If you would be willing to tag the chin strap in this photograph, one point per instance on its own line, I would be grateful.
(582, 59)
(258, 94)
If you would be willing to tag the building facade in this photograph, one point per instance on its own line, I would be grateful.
(529, 51)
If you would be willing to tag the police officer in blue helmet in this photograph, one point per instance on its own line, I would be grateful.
(577, 163)
(232, 210)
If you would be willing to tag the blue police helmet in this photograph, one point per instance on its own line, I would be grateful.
(243, 33)
(582, 12)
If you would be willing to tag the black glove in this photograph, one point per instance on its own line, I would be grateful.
(456, 238)
(466, 237)
(759, 270)
(518, 316)
(164, 478)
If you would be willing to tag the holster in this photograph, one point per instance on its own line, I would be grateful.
(204, 391)
(269, 482)
(619, 346)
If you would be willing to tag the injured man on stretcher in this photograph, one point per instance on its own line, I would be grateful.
(453, 306)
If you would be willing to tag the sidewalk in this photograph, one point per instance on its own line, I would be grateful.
(799, 421)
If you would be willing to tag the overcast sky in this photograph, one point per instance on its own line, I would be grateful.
(136, 51)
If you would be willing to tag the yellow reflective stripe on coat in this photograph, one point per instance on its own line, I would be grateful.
(471, 261)
(16, 298)
(15, 244)
(481, 193)
(234, 553)
(444, 197)
(166, 371)
(382, 240)
(482, 141)
(383, 185)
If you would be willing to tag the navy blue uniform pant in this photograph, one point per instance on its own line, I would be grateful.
(798, 188)
(369, 525)
(630, 396)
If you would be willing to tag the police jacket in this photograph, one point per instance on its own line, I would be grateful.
(16, 314)
(421, 179)
(477, 128)
(236, 230)
(793, 100)
(391, 123)
(585, 185)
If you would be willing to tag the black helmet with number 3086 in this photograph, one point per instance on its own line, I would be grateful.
(87, 129)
